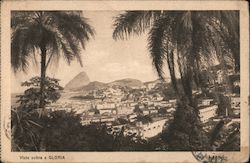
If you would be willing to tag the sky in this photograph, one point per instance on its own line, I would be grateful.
(104, 59)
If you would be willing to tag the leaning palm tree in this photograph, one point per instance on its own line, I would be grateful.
(51, 35)
(188, 42)
(192, 40)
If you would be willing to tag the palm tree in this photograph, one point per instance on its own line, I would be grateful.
(191, 40)
(188, 42)
(50, 34)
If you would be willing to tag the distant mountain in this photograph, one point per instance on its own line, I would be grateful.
(93, 85)
(124, 83)
(82, 83)
(127, 82)
(77, 82)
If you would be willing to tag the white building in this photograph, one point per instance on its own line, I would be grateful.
(172, 101)
(132, 117)
(205, 102)
(141, 106)
(91, 113)
(235, 104)
(165, 104)
(153, 111)
(151, 107)
(108, 111)
(132, 104)
(153, 129)
(95, 120)
(171, 110)
(207, 112)
(107, 119)
(145, 112)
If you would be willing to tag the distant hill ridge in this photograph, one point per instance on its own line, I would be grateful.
(127, 82)
(93, 85)
(81, 82)
(123, 82)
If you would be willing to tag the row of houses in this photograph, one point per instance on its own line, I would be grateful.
(134, 126)
(207, 109)
(144, 131)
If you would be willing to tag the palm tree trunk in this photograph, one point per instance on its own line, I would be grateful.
(43, 76)
(187, 85)
(185, 74)
(170, 61)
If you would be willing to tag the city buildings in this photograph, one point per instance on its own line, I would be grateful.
(207, 112)
(133, 105)
(154, 128)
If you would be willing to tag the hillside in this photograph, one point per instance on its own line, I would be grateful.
(81, 82)
(127, 82)
(93, 85)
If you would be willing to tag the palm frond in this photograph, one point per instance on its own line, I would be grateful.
(157, 45)
(19, 19)
(230, 19)
(75, 30)
(23, 43)
(63, 33)
(133, 22)
(171, 67)
(73, 23)
(227, 25)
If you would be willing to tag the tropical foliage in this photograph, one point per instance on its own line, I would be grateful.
(63, 131)
(31, 96)
(192, 40)
(49, 35)
(189, 43)
(185, 132)
(60, 130)
(25, 129)
(26, 119)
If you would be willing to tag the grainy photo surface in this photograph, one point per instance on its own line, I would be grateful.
(112, 98)
(124, 81)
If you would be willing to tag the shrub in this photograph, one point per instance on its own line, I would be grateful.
(57, 131)
(26, 128)
(63, 131)
(185, 132)
(31, 96)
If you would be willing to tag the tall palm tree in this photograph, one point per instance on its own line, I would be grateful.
(191, 40)
(188, 42)
(52, 34)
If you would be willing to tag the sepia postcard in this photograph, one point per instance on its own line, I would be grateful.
(124, 81)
